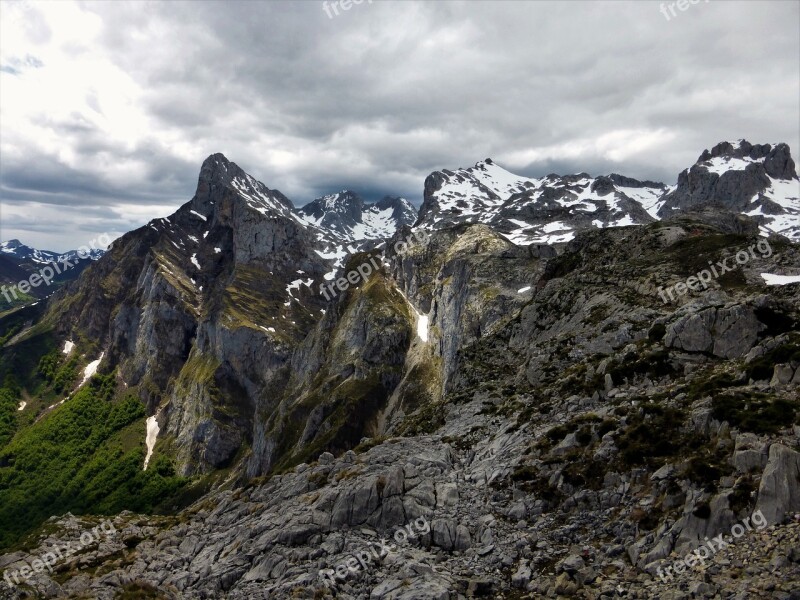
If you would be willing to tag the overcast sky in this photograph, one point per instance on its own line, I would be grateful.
(107, 109)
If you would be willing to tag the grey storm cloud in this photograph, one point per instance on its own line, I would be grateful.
(376, 98)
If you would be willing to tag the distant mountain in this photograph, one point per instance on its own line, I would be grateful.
(25, 254)
(755, 180)
(543, 211)
(18, 262)
(10, 271)
(348, 216)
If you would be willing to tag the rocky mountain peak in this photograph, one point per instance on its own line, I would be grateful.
(759, 180)
(346, 203)
(529, 210)
(402, 210)
(217, 169)
(776, 158)
(220, 178)
(20, 251)
(10, 245)
(347, 215)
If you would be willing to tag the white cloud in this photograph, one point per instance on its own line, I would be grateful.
(108, 108)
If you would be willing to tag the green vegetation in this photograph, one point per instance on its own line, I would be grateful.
(529, 479)
(654, 433)
(57, 372)
(583, 426)
(764, 366)
(777, 322)
(9, 400)
(562, 265)
(692, 253)
(701, 387)
(655, 363)
(707, 466)
(585, 472)
(732, 280)
(20, 300)
(657, 332)
(138, 590)
(424, 421)
(755, 412)
(85, 456)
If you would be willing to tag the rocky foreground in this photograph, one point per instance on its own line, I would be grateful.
(467, 538)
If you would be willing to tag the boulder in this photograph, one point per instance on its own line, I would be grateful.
(779, 492)
(781, 375)
(728, 332)
(750, 453)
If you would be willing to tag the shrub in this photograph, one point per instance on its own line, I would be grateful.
(654, 432)
(755, 412)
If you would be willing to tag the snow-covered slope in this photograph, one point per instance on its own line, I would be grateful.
(347, 216)
(545, 211)
(756, 180)
(22, 253)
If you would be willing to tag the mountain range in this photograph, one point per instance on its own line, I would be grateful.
(22, 253)
(509, 374)
(18, 262)
(759, 181)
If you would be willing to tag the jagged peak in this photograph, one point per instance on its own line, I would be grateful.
(624, 181)
(742, 149)
(392, 202)
(740, 155)
(219, 172)
(343, 201)
(217, 158)
(217, 168)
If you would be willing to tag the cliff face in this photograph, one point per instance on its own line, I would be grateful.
(199, 312)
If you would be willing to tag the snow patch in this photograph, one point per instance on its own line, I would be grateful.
(422, 327)
(91, 369)
(771, 279)
(68, 346)
(150, 438)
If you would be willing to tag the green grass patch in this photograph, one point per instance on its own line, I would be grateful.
(81, 458)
